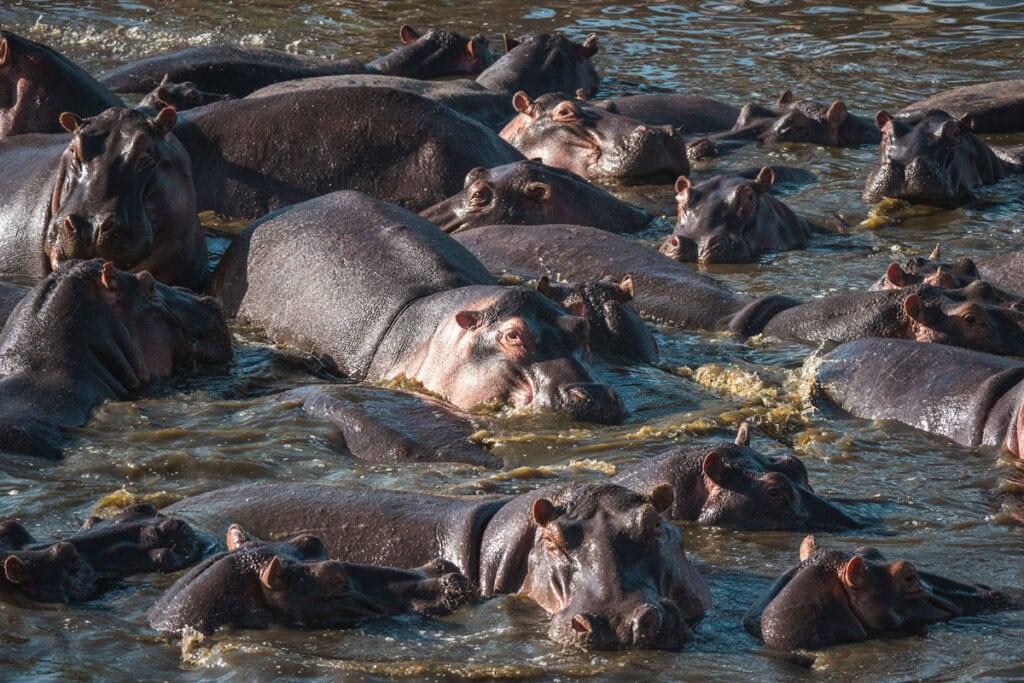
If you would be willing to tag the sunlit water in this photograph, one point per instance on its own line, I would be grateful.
(944, 507)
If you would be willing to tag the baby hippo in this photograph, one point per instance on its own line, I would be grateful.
(256, 584)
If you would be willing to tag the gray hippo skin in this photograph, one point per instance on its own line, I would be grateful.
(39, 84)
(435, 53)
(932, 158)
(963, 272)
(182, 96)
(996, 107)
(419, 306)
(599, 558)
(120, 188)
(55, 574)
(970, 397)
(108, 334)
(689, 113)
(256, 584)
(593, 142)
(729, 219)
(531, 193)
(1004, 270)
(374, 140)
(541, 64)
(832, 597)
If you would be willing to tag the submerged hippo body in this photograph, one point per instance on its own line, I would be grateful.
(530, 193)
(996, 107)
(598, 557)
(108, 334)
(689, 113)
(294, 583)
(119, 189)
(541, 64)
(394, 145)
(418, 306)
(832, 597)
(39, 84)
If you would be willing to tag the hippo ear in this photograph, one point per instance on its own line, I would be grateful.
(5, 51)
(744, 200)
(510, 42)
(682, 184)
(544, 286)
(537, 191)
(108, 277)
(785, 98)
(236, 536)
(70, 122)
(165, 120)
(15, 571)
(521, 103)
(808, 548)
(743, 434)
(163, 95)
(917, 311)
(714, 468)
(661, 496)
(966, 123)
(472, 47)
(897, 277)
(408, 34)
(468, 320)
(882, 118)
(936, 252)
(764, 180)
(576, 308)
(941, 278)
(165, 80)
(837, 113)
(590, 46)
(581, 94)
(684, 192)
(272, 576)
(625, 289)
(854, 573)
(543, 511)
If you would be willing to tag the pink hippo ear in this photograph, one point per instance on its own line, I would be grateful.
(408, 34)
(625, 289)
(684, 192)
(764, 180)
(272, 576)
(808, 548)
(472, 47)
(714, 468)
(108, 277)
(522, 103)
(936, 252)
(543, 511)
(882, 119)
(837, 114)
(744, 200)
(236, 536)
(165, 120)
(468, 320)
(544, 286)
(917, 311)
(70, 122)
(785, 98)
(5, 51)
(896, 277)
(854, 573)
(164, 96)
(590, 46)
(581, 94)
(15, 571)
(510, 42)
(743, 434)
(661, 496)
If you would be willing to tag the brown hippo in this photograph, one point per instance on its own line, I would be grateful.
(37, 83)
(963, 272)
(593, 142)
(834, 597)
(56, 573)
(435, 53)
(416, 306)
(120, 189)
(256, 584)
(541, 64)
(601, 559)
(108, 333)
(532, 193)
(996, 107)
(182, 96)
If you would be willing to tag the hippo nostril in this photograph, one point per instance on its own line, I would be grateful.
(646, 624)
(592, 403)
(579, 394)
(581, 624)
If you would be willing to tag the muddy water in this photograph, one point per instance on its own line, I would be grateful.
(944, 507)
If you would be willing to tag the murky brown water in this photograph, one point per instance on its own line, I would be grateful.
(943, 506)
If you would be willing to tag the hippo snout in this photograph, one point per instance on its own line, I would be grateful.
(652, 626)
(592, 402)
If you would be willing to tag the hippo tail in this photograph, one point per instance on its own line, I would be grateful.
(752, 318)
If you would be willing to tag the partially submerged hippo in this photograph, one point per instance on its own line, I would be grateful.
(1005, 270)
(416, 306)
(970, 397)
(37, 83)
(689, 113)
(394, 145)
(963, 272)
(107, 335)
(592, 142)
(932, 158)
(54, 574)
(120, 189)
(730, 219)
(182, 96)
(541, 64)
(256, 584)
(435, 53)
(601, 559)
(996, 107)
(833, 597)
(532, 193)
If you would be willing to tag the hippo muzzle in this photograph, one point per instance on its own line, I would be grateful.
(919, 181)
(653, 625)
(645, 151)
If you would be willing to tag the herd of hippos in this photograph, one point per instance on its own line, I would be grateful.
(332, 160)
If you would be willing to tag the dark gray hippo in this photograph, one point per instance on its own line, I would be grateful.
(601, 559)
(255, 584)
(435, 53)
(996, 107)
(541, 64)
(108, 334)
(418, 307)
(970, 397)
(1005, 270)
(37, 84)
(394, 145)
(730, 219)
(54, 574)
(932, 158)
(531, 193)
(594, 143)
(689, 113)
(119, 189)
(181, 96)
(833, 597)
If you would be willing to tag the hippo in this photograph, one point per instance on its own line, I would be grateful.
(54, 574)
(1004, 270)
(380, 425)
(688, 113)
(615, 326)
(120, 189)
(417, 306)
(833, 597)
(108, 334)
(542, 64)
(37, 84)
(181, 96)
(531, 193)
(255, 584)
(601, 559)
(237, 174)
(963, 272)
(729, 219)
(996, 107)
(733, 486)
(435, 53)
(970, 397)
(932, 159)
(562, 131)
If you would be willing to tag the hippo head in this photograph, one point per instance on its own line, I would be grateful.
(437, 53)
(180, 96)
(55, 574)
(124, 329)
(614, 324)
(966, 317)
(14, 535)
(592, 142)
(923, 160)
(137, 540)
(544, 63)
(532, 354)
(717, 221)
(808, 122)
(611, 569)
(122, 176)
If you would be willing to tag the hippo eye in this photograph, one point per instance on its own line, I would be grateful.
(480, 194)
(514, 338)
(970, 318)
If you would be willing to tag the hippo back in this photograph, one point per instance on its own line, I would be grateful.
(339, 268)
